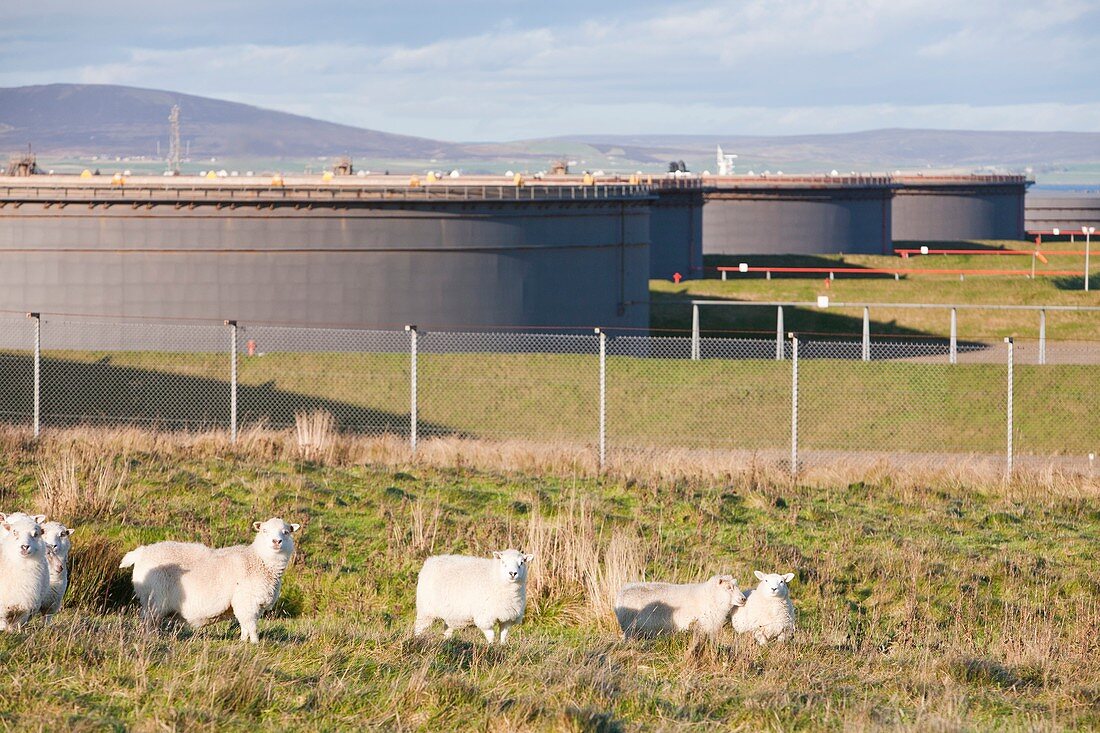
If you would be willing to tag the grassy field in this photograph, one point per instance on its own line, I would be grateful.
(669, 312)
(925, 602)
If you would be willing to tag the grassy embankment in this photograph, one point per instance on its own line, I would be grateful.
(668, 312)
(926, 602)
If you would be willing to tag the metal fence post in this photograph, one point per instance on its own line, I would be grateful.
(1042, 336)
(779, 333)
(232, 380)
(37, 372)
(695, 332)
(953, 355)
(794, 406)
(412, 387)
(603, 397)
(866, 333)
(1009, 454)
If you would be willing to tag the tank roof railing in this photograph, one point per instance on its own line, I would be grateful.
(141, 193)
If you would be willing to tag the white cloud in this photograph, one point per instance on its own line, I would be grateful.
(712, 67)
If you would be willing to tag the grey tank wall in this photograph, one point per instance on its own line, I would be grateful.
(956, 213)
(1067, 211)
(797, 221)
(676, 234)
(450, 265)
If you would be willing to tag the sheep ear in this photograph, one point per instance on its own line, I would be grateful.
(734, 581)
(788, 577)
(39, 518)
(255, 526)
(759, 575)
(528, 558)
(496, 554)
(295, 527)
(68, 532)
(6, 527)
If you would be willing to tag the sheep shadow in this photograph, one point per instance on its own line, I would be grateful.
(78, 392)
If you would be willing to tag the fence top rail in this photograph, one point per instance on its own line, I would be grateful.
(842, 304)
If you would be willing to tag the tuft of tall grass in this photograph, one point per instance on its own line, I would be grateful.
(95, 582)
(80, 484)
(316, 432)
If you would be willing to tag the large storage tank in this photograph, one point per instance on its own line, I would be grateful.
(361, 254)
(797, 215)
(1067, 211)
(957, 208)
(676, 228)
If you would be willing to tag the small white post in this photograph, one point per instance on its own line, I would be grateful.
(232, 381)
(953, 356)
(1042, 335)
(37, 372)
(723, 274)
(1088, 245)
(412, 387)
(695, 332)
(603, 398)
(779, 333)
(1009, 452)
(794, 406)
(866, 333)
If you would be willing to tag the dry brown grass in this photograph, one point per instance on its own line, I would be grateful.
(80, 483)
(316, 433)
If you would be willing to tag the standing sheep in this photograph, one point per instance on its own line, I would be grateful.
(768, 612)
(201, 585)
(464, 591)
(651, 609)
(24, 572)
(56, 536)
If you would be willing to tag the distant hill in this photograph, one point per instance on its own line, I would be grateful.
(880, 149)
(116, 120)
(92, 119)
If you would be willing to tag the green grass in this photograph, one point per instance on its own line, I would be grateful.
(670, 310)
(923, 604)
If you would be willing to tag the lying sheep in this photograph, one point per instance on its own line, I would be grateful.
(24, 572)
(768, 612)
(463, 591)
(56, 538)
(650, 609)
(201, 584)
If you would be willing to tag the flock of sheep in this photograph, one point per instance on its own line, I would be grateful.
(200, 585)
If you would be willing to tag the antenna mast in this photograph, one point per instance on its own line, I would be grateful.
(174, 140)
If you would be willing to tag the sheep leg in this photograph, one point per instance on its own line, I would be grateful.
(423, 623)
(448, 632)
(760, 636)
(489, 634)
(248, 619)
(504, 633)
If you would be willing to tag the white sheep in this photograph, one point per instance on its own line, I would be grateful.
(650, 609)
(768, 612)
(201, 584)
(56, 536)
(24, 571)
(463, 591)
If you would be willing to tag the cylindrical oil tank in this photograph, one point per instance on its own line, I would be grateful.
(958, 208)
(376, 256)
(676, 228)
(1064, 210)
(797, 215)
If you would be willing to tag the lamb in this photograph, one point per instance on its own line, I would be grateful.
(768, 612)
(651, 609)
(463, 591)
(201, 584)
(23, 568)
(56, 537)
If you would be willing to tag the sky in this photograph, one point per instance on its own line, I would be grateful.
(481, 70)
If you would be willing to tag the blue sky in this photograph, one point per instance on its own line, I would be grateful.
(484, 70)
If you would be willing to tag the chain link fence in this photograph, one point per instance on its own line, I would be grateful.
(795, 401)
